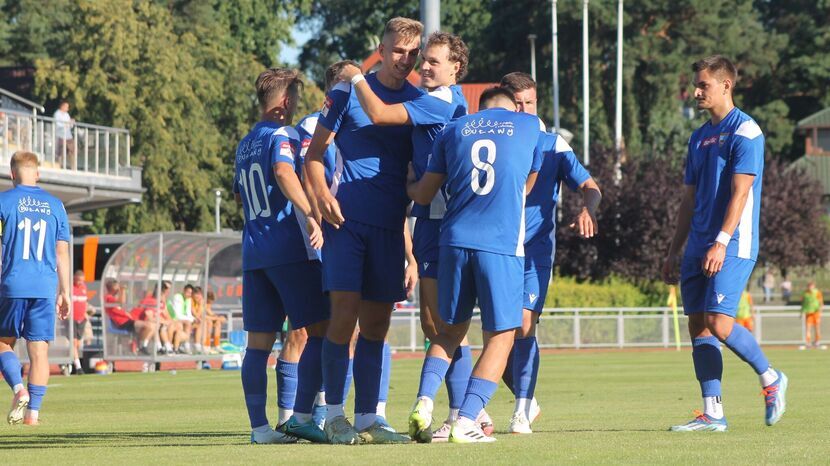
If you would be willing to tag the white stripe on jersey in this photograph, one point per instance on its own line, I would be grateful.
(520, 247)
(309, 124)
(311, 253)
(748, 129)
(444, 93)
(562, 145)
(338, 171)
(342, 86)
(745, 227)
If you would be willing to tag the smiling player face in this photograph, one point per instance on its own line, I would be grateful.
(399, 55)
(436, 68)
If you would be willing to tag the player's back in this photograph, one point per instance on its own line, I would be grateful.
(272, 234)
(32, 223)
(487, 157)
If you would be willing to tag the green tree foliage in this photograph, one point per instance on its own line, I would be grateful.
(178, 74)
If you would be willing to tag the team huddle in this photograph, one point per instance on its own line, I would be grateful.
(327, 244)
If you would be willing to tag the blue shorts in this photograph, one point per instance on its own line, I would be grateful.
(721, 293)
(29, 318)
(366, 259)
(537, 279)
(425, 246)
(495, 279)
(290, 290)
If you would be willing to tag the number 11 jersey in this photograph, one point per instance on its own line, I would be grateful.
(32, 221)
(487, 157)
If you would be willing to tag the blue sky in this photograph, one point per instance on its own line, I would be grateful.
(289, 55)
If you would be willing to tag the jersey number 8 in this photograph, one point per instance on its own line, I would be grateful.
(248, 180)
(485, 166)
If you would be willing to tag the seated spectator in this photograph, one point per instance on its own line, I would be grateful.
(198, 318)
(213, 325)
(113, 307)
(150, 309)
(180, 308)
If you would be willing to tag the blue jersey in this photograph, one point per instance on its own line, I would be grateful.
(430, 113)
(274, 231)
(559, 164)
(305, 129)
(486, 158)
(372, 189)
(32, 222)
(733, 146)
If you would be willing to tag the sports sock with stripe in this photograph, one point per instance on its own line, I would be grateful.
(335, 365)
(742, 343)
(11, 370)
(368, 366)
(36, 394)
(255, 385)
(525, 360)
(309, 375)
(708, 362)
(385, 376)
(286, 389)
(479, 392)
(458, 375)
(432, 374)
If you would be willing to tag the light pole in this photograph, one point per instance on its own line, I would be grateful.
(532, 39)
(218, 193)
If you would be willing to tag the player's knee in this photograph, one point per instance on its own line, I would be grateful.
(317, 329)
(719, 325)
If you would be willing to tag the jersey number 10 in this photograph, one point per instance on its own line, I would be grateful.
(248, 180)
(27, 227)
(485, 166)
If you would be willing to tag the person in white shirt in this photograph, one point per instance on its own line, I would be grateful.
(63, 134)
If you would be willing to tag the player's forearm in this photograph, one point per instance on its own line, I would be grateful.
(378, 111)
(62, 250)
(416, 192)
(591, 196)
(407, 242)
(292, 189)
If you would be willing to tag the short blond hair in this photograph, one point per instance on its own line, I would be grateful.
(22, 159)
(404, 28)
(274, 82)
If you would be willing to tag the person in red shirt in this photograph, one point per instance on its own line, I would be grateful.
(141, 325)
(79, 315)
(154, 310)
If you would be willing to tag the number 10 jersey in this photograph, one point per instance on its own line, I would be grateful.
(32, 221)
(487, 157)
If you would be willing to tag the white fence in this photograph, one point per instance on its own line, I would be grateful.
(613, 328)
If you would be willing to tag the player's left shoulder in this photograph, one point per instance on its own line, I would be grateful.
(287, 132)
(442, 93)
(746, 127)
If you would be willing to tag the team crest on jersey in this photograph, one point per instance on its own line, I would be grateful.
(482, 126)
(709, 141)
(27, 204)
(326, 106)
(722, 139)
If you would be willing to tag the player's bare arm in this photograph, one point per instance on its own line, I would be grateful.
(586, 221)
(329, 208)
(741, 184)
(292, 189)
(681, 233)
(379, 112)
(424, 190)
(531, 181)
(411, 272)
(64, 281)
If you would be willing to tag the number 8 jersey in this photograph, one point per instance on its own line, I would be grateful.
(274, 231)
(487, 157)
(32, 221)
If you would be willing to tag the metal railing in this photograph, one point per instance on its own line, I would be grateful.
(612, 328)
(70, 146)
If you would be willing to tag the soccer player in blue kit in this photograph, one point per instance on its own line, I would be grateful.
(559, 165)
(489, 161)
(34, 282)
(364, 251)
(281, 269)
(719, 214)
(444, 62)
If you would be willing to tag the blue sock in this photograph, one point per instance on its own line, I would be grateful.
(742, 343)
(478, 395)
(310, 375)
(507, 377)
(458, 375)
(368, 366)
(385, 372)
(708, 362)
(432, 374)
(525, 360)
(255, 385)
(36, 394)
(335, 365)
(286, 384)
(10, 368)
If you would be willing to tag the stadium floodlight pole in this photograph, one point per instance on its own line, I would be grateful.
(555, 37)
(585, 96)
(218, 193)
(431, 16)
(532, 39)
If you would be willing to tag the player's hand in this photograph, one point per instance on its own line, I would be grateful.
(348, 72)
(410, 278)
(670, 269)
(410, 174)
(330, 209)
(585, 224)
(62, 305)
(713, 260)
(315, 233)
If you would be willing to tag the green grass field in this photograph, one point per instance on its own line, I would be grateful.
(598, 407)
